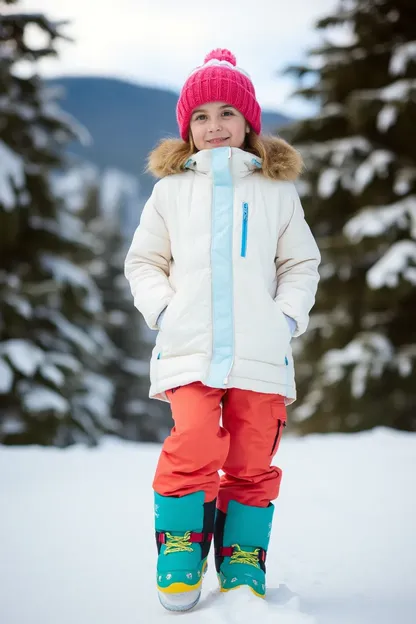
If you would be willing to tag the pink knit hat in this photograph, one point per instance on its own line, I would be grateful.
(218, 80)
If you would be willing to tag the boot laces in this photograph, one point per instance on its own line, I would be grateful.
(178, 543)
(244, 556)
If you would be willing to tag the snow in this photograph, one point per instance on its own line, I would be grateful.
(375, 221)
(79, 541)
(20, 304)
(137, 407)
(40, 137)
(393, 15)
(328, 181)
(117, 318)
(12, 175)
(343, 157)
(73, 229)
(304, 187)
(37, 398)
(52, 111)
(306, 409)
(10, 105)
(64, 360)
(368, 355)
(66, 272)
(73, 333)
(326, 270)
(23, 355)
(135, 367)
(341, 35)
(376, 164)
(404, 180)
(330, 110)
(6, 377)
(386, 117)
(406, 359)
(397, 91)
(97, 399)
(73, 186)
(69, 228)
(339, 150)
(102, 340)
(11, 279)
(53, 374)
(338, 53)
(120, 202)
(12, 425)
(402, 55)
(119, 199)
(394, 263)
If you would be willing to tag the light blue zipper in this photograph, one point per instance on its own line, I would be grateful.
(244, 230)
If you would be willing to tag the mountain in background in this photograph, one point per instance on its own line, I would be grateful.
(125, 121)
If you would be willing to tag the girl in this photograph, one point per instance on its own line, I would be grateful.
(225, 267)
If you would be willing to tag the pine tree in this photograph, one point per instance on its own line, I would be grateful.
(356, 369)
(107, 199)
(53, 348)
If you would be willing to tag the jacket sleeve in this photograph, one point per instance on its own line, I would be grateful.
(297, 263)
(147, 264)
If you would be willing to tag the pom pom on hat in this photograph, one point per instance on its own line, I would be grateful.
(221, 54)
(218, 80)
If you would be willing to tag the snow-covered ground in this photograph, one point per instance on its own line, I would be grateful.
(77, 543)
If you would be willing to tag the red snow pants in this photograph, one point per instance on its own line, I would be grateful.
(233, 431)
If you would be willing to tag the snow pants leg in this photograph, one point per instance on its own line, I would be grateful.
(235, 431)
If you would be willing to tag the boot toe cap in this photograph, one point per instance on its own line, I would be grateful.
(231, 579)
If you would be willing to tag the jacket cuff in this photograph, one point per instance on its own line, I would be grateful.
(160, 317)
(291, 322)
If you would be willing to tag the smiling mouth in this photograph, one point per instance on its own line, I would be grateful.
(218, 140)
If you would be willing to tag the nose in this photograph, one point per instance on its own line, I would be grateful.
(214, 125)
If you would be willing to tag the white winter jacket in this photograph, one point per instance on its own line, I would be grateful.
(227, 252)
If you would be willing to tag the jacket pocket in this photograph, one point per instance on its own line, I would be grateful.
(244, 229)
(185, 328)
(284, 325)
(166, 312)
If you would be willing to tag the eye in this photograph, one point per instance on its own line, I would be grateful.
(228, 113)
(200, 117)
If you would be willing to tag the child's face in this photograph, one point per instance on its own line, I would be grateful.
(217, 124)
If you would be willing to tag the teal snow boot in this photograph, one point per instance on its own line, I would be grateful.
(241, 540)
(184, 530)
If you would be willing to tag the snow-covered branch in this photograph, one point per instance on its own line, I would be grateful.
(375, 221)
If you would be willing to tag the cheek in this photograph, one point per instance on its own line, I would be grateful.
(196, 132)
(238, 127)
(198, 136)
(238, 133)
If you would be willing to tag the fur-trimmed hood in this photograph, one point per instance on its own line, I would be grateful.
(279, 161)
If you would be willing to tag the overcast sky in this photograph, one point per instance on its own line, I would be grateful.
(158, 42)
